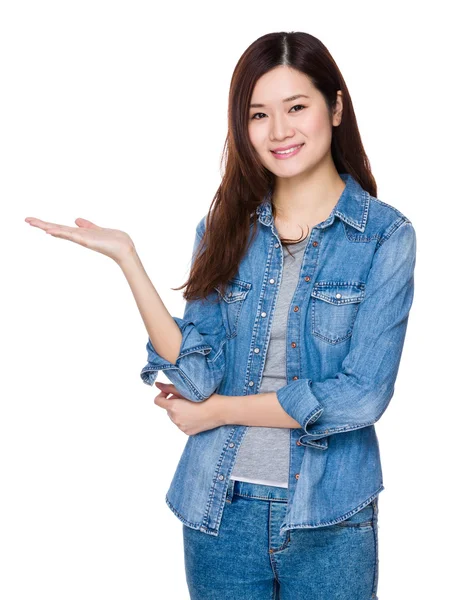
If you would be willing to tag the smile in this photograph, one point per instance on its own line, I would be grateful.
(287, 153)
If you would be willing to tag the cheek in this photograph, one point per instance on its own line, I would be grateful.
(255, 137)
(317, 126)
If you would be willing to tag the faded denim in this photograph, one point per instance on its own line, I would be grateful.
(251, 560)
(345, 335)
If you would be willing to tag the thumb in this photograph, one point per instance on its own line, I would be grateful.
(86, 224)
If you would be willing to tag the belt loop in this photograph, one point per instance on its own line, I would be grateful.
(230, 491)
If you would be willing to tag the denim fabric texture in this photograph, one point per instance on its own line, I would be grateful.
(250, 560)
(345, 336)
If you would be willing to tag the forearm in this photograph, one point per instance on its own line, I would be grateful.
(259, 410)
(163, 331)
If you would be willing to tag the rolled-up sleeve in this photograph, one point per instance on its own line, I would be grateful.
(359, 394)
(200, 366)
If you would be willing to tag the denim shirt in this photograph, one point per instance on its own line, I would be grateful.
(345, 334)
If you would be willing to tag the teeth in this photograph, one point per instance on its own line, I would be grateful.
(287, 151)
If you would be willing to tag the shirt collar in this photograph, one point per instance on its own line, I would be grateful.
(352, 206)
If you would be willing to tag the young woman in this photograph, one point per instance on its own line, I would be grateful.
(287, 354)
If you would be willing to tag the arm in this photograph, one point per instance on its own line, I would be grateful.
(359, 394)
(161, 327)
(200, 364)
(257, 410)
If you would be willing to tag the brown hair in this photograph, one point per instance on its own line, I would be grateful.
(246, 180)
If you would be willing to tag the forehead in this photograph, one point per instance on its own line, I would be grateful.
(280, 83)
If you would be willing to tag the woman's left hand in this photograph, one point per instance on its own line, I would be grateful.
(190, 417)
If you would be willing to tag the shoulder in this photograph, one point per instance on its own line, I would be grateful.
(385, 219)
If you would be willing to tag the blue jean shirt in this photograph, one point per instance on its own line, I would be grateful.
(345, 335)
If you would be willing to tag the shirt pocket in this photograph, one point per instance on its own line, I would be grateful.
(334, 309)
(231, 303)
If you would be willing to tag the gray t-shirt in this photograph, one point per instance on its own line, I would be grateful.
(263, 456)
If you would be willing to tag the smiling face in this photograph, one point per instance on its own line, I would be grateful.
(288, 112)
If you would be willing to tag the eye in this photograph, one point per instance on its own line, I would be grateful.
(300, 106)
(253, 117)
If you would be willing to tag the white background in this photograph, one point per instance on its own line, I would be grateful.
(116, 112)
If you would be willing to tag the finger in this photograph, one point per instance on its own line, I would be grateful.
(170, 387)
(71, 234)
(161, 399)
(86, 224)
(158, 401)
(56, 230)
(164, 385)
(42, 224)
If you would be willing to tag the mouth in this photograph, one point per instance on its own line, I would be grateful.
(282, 154)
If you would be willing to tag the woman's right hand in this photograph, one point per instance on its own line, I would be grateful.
(113, 243)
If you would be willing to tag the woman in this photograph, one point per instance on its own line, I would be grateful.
(287, 354)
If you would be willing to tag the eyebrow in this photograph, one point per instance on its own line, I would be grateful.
(286, 100)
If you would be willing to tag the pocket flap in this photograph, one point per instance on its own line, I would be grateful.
(339, 292)
(236, 290)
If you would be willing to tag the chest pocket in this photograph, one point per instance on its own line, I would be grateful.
(334, 309)
(231, 303)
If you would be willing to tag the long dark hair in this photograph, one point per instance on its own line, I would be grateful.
(246, 180)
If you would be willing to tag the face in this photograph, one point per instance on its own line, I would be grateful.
(287, 110)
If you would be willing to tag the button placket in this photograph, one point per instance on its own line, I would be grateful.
(293, 362)
(256, 367)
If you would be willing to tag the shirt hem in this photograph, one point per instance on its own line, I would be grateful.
(288, 526)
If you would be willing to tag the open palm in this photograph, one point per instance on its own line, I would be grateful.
(113, 243)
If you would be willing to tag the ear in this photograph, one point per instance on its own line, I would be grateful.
(338, 110)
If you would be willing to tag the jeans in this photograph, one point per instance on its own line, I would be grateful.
(249, 560)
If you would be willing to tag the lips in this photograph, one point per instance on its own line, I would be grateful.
(286, 150)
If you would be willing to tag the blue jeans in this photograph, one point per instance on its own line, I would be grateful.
(249, 560)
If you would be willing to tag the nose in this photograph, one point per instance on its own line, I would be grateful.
(280, 128)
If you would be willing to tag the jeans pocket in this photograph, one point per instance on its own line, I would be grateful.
(364, 518)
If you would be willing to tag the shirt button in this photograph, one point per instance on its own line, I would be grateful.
(307, 278)
(338, 296)
(250, 383)
(263, 314)
(276, 245)
(257, 350)
(231, 445)
(293, 344)
(271, 281)
(221, 477)
(296, 308)
(298, 443)
(315, 244)
(326, 431)
(230, 294)
(297, 476)
(294, 377)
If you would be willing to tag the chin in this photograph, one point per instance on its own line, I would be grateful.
(288, 173)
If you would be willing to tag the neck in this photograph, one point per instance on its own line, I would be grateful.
(307, 196)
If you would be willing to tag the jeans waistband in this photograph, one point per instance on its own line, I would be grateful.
(256, 491)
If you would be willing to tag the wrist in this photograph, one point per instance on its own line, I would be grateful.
(129, 259)
(221, 406)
